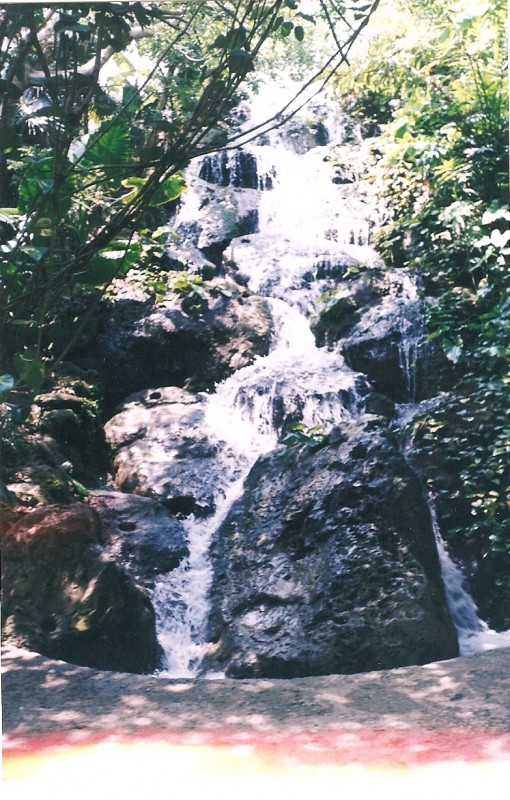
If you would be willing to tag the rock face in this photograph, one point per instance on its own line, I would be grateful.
(143, 346)
(70, 413)
(237, 169)
(141, 534)
(327, 564)
(164, 449)
(62, 443)
(64, 599)
(225, 206)
(377, 318)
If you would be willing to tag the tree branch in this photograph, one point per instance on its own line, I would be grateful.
(90, 68)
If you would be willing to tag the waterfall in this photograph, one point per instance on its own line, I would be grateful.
(303, 231)
(309, 228)
(180, 600)
(248, 410)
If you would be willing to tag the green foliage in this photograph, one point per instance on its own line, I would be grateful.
(437, 95)
(191, 289)
(166, 192)
(297, 434)
(335, 306)
(86, 158)
(30, 368)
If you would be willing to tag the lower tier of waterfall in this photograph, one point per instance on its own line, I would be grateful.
(248, 412)
(181, 600)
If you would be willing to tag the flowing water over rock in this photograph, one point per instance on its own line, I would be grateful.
(286, 209)
(247, 413)
(474, 634)
(290, 217)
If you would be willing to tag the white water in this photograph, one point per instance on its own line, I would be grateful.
(180, 599)
(242, 413)
(294, 381)
(306, 223)
(474, 635)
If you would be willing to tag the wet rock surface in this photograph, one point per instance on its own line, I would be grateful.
(163, 449)
(65, 599)
(327, 564)
(149, 346)
(376, 317)
(141, 534)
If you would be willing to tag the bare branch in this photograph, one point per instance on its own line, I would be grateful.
(90, 68)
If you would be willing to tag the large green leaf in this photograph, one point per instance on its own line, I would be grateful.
(109, 148)
(112, 262)
(167, 191)
(30, 368)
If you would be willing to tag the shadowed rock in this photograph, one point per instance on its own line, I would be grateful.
(142, 534)
(327, 564)
(143, 346)
(64, 599)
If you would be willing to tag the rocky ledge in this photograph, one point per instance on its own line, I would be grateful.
(42, 696)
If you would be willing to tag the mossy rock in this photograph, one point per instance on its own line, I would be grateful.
(70, 413)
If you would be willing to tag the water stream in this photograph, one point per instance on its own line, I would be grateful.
(474, 635)
(294, 380)
(308, 227)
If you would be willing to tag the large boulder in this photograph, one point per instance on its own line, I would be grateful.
(144, 345)
(142, 534)
(327, 564)
(163, 447)
(64, 599)
(222, 204)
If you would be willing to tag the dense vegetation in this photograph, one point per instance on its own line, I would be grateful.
(86, 157)
(435, 92)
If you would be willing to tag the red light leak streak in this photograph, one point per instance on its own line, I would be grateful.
(376, 760)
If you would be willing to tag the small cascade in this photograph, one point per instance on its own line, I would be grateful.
(474, 635)
(181, 599)
(304, 225)
(309, 227)
(248, 412)
(408, 308)
(408, 353)
(296, 381)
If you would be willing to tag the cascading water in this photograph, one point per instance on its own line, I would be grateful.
(473, 633)
(304, 228)
(295, 381)
(181, 603)
(249, 410)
